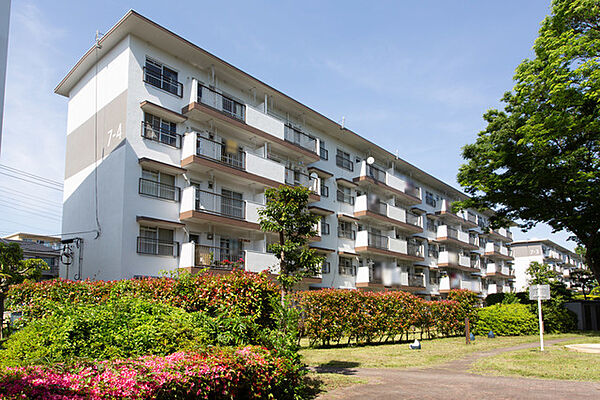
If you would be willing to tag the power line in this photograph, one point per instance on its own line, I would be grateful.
(22, 196)
(56, 218)
(20, 223)
(32, 181)
(30, 175)
(32, 207)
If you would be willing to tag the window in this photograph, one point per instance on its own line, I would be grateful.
(344, 194)
(232, 203)
(323, 152)
(432, 251)
(326, 267)
(162, 77)
(159, 185)
(159, 130)
(325, 229)
(324, 189)
(429, 199)
(345, 266)
(157, 241)
(342, 160)
(345, 230)
(431, 225)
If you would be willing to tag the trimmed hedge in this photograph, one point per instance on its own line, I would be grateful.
(332, 314)
(240, 293)
(506, 320)
(245, 373)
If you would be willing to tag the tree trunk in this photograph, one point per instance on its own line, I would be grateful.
(282, 268)
(592, 257)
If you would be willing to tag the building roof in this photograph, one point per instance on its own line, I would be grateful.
(162, 38)
(33, 236)
(547, 242)
(33, 248)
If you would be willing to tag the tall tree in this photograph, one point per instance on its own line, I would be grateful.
(540, 274)
(13, 270)
(286, 214)
(538, 160)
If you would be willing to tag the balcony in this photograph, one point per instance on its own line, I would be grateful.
(374, 176)
(447, 284)
(499, 270)
(203, 206)
(370, 208)
(297, 137)
(497, 251)
(195, 257)
(447, 234)
(297, 178)
(157, 247)
(450, 259)
(158, 190)
(161, 135)
(203, 155)
(371, 243)
(417, 281)
(462, 217)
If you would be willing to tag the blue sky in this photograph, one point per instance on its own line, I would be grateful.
(412, 76)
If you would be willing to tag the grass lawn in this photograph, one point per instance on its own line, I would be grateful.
(433, 352)
(318, 383)
(555, 362)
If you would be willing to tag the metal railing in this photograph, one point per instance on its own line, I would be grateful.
(220, 204)
(416, 280)
(474, 262)
(346, 233)
(222, 103)
(163, 82)
(217, 151)
(297, 178)
(452, 232)
(159, 190)
(157, 247)
(378, 241)
(161, 135)
(412, 218)
(218, 257)
(299, 138)
(473, 240)
(471, 217)
(412, 191)
(377, 206)
(376, 173)
(414, 250)
(345, 198)
(344, 163)
(346, 270)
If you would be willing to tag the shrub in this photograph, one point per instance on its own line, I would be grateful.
(121, 327)
(246, 373)
(506, 320)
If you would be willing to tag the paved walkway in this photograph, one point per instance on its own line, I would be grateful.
(452, 381)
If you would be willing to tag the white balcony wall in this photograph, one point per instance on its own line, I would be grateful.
(463, 236)
(445, 283)
(188, 199)
(464, 261)
(396, 213)
(252, 211)
(489, 247)
(397, 245)
(362, 238)
(361, 203)
(503, 250)
(186, 257)
(493, 288)
(189, 144)
(491, 268)
(505, 270)
(395, 182)
(264, 167)
(442, 231)
(447, 257)
(362, 274)
(256, 261)
(265, 123)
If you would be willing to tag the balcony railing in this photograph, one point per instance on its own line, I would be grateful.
(345, 198)
(377, 207)
(157, 247)
(375, 275)
(163, 82)
(414, 250)
(299, 138)
(161, 135)
(222, 103)
(218, 151)
(220, 204)
(376, 173)
(159, 190)
(473, 240)
(471, 217)
(218, 257)
(346, 233)
(344, 163)
(378, 241)
(412, 218)
(452, 233)
(416, 280)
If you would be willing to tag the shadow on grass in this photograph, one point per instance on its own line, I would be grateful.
(338, 367)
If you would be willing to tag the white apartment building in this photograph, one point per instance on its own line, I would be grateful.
(175, 147)
(543, 251)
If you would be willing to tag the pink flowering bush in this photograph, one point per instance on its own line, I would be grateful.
(243, 373)
(332, 314)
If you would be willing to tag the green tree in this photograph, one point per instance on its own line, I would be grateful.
(583, 279)
(13, 270)
(286, 214)
(538, 160)
(540, 274)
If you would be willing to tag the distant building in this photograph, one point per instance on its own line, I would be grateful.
(543, 251)
(38, 246)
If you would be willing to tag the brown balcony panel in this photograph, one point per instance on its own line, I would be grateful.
(192, 161)
(405, 197)
(402, 225)
(456, 242)
(313, 197)
(370, 285)
(459, 267)
(195, 110)
(389, 253)
(498, 255)
(453, 217)
(496, 235)
(498, 275)
(201, 216)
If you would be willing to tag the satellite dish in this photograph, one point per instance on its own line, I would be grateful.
(370, 160)
(313, 175)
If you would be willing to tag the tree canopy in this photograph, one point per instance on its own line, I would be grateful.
(538, 160)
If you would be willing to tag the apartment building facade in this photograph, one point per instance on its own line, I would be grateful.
(174, 148)
(544, 251)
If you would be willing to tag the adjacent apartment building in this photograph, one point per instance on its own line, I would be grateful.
(543, 251)
(170, 150)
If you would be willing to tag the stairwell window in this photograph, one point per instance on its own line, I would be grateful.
(157, 241)
(159, 185)
(345, 230)
(323, 152)
(342, 160)
(430, 199)
(344, 194)
(162, 77)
